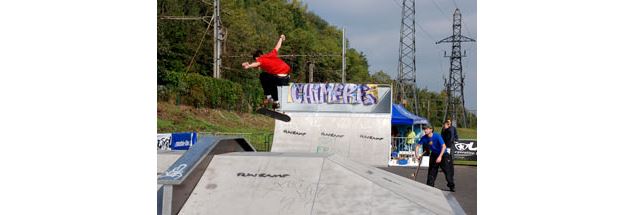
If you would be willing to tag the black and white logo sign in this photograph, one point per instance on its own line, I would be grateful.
(464, 150)
(462, 146)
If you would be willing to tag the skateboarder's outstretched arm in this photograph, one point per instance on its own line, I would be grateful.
(279, 44)
(247, 65)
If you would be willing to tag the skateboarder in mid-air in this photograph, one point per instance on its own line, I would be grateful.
(275, 72)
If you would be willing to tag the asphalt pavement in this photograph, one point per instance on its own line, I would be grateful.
(464, 180)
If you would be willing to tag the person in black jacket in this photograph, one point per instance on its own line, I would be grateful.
(449, 135)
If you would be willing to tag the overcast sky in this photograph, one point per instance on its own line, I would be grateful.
(372, 27)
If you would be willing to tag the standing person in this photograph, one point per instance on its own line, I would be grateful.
(393, 144)
(450, 136)
(449, 133)
(410, 139)
(438, 156)
(275, 72)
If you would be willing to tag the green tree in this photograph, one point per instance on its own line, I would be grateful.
(381, 78)
(356, 67)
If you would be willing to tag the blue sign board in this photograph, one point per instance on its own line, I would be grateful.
(183, 141)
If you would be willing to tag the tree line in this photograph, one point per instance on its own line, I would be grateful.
(185, 51)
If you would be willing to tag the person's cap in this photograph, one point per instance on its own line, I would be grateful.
(427, 126)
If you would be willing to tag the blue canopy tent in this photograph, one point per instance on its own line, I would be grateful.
(401, 116)
(402, 120)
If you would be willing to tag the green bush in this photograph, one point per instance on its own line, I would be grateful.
(201, 91)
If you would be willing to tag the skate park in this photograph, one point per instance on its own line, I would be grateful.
(331, 158)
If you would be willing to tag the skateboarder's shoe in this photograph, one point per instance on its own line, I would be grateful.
(275, 105)
(267, 102)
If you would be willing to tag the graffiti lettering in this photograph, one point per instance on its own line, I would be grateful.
(176, 172)
(371, 137)
(332, 135)
(369, 94)
(294, 132)
(163, 143)
(262, 175)
(333, 93)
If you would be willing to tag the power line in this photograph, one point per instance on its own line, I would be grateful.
(290, 55)
(199, 47)
(421, 28)
(441, 11)
(454, 84)
(424, 31)
(185, 17)
(407, 69)
(448, 16)
(456, 6)
(209, 24)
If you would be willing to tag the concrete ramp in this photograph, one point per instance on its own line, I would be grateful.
(327, 120)
(363, 138)
(165, 159)
(307, 183)
(178, 173)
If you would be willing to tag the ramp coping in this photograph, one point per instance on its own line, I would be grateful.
(182, 167)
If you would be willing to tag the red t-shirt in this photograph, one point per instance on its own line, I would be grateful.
(271, 64)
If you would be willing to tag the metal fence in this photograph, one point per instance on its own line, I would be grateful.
(260, 141)
(400, 144)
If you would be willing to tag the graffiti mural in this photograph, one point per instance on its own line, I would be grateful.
(163, 141)
(175, 173)
(333, 93)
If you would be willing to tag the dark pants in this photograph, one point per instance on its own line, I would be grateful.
(271, 82)
(447, 166)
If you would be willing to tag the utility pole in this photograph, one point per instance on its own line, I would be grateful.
(454, 83)
(311, 66)
(407, 77)
(343, 57)
(429, 116)
(217, 39)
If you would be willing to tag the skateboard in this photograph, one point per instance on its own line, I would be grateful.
(273, 114)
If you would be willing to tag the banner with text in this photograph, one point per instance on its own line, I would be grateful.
(464, 150)
(183, 141)
(335, 98)
(333, 93)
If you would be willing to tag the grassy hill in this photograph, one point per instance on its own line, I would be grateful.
(466, 133)
(173, 118)
(258, 129)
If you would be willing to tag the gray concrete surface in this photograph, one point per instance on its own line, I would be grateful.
(165, 159)
(303, 183)
(360, 132)
(364, 138)
(464, 178)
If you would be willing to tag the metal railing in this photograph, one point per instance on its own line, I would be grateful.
(400, 144)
